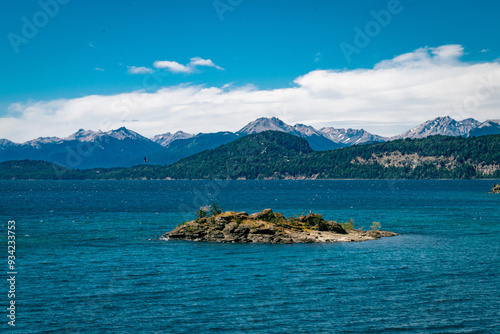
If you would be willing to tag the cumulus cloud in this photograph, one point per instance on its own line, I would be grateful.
(139, 70)
(394, 96)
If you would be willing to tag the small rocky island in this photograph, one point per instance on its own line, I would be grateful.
(268, 227)
(495, 189)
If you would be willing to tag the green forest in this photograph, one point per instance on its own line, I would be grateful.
(277, 155)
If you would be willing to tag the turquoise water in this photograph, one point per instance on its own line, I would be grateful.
(90, 260)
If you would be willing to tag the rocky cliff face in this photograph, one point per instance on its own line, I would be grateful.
(269, 228)
(351, 136)
(445, 126)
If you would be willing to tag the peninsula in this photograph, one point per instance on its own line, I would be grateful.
(268, 227)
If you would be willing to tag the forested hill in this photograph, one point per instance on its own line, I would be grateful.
(279, 155)
(36, 170)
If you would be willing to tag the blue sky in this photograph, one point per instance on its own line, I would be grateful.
(89, 47)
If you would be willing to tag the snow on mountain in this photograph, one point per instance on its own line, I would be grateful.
(350, 136)
(326, 138)
(489, 127)
(181, 148)
(5, 143)
(36, 143)
(445, 126)
(123, 147)
(166, 138)
(470, 123)
(85, 135)
(306, 130)
(91, 136)
(315, 139)
(80, 136)
(84, 149)
(124, 133)
(266, 124)
(490, 122)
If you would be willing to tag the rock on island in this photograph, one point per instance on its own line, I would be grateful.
(268, 227)
(495, 189)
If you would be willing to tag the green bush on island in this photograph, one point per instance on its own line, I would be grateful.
(348, 226)
(201, 213)
(216, 210)
(208, 211)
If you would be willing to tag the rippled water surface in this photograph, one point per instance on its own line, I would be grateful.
(90, 260)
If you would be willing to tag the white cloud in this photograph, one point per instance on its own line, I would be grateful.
(139, 70)
(172, 66)
(197, 61)
(390, 98)
(99, 69)
(445, 55)
(485, 50)
(175, 67)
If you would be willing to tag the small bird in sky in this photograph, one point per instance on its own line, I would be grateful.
(145, 160)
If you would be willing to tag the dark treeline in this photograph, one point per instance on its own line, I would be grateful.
(279, 155)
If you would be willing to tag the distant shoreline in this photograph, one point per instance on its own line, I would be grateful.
(273, 155)
(223, 180)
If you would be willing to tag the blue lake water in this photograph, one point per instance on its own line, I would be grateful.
(90, 260)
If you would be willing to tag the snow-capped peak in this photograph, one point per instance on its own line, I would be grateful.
(446, 126)
(84, 135)
(490, 122)
(43, 140)
(89, 135)
(488, 127)
(350, 136)
(166, 138)
(265, 124)
(306, 130)
(6, 143)
(123, 133)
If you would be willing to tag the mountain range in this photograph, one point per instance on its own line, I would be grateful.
(279, 155)
(83, 149)
(87, 149)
